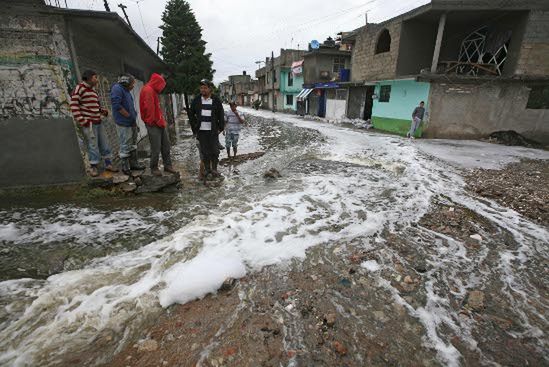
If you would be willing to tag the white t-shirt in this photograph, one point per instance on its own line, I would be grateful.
(233, 123)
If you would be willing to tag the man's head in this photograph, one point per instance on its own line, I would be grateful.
(421, 104)
(90, 77)
(232, 105)
(206, 87)
(127, 81)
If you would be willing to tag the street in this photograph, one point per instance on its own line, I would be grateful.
(369, 250)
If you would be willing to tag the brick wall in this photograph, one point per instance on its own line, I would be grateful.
(534, 52)
(35, 67)
(366, 65)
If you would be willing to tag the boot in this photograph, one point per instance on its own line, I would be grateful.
(134, 162)
(126, 166)
(215, 173)
(109, 166)
(93, 171)
(207, 170)
(169, 169)
(156, 172)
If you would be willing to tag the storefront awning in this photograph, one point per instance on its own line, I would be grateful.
(304, 94)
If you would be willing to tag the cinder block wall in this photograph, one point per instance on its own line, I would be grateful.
(366, 65)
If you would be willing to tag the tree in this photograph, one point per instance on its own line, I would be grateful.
(183, 49)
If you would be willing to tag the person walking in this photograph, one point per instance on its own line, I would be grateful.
(233, 124)
(151, 114)
(87, 111)
(125, 117)
(207, 122)
(417, 118)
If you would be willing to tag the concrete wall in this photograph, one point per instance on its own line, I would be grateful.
(417, 45)
(317, 62)
(47, 154)
(366, 65)
(534, 51)
(474, 111)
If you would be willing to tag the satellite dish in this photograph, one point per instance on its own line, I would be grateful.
(315, 45)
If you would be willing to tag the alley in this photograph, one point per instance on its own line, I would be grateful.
(369, 250)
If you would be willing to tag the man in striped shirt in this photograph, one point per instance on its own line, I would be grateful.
(87, 111)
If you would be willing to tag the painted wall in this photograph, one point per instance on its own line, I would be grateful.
(396, 115)
(285, 89)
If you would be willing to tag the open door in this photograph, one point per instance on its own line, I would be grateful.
(368, 103)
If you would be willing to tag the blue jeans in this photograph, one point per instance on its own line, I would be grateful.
(127, 136)
(231, 139)
(97, 143)
(414, 126)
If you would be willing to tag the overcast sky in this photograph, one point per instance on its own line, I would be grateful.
(240, 32)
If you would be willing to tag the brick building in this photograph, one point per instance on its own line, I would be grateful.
(240, 88)
(480, 66)
(43, 50)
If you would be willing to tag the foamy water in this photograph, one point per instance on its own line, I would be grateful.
(371, 182)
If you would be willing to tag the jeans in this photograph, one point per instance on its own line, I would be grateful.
(160, 144)
(231, 139)
(415, 124)
(127, 136)
(97, 143)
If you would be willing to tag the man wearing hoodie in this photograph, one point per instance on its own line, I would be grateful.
(207, 121)
(149, 105)
(125, 116)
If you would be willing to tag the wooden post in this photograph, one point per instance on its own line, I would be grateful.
(436, 54)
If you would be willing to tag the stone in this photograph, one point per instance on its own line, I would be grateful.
(151, 183)
(227, 285)
(340, 348)
(272, 173)
(407, 287)
(330, 319)
(476, 237)
(100, 182)
(128, 187)
(408, 279)
(475, 300)
(148, 345)
(118, 179)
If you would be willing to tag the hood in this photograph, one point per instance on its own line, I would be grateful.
(157, 82)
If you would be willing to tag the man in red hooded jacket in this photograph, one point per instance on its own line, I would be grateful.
(151, 114)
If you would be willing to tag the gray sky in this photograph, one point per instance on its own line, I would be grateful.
(240, 32)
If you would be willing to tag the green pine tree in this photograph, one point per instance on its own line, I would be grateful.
(183, 49)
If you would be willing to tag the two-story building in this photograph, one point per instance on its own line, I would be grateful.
(277, 84)
(480, 67)
(240, 88)
(325, 68)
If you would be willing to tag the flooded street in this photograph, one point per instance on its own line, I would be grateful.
(369, 250)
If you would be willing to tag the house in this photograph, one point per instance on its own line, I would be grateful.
(278, 83)
(325, 67)
(239, 88)
(480, 67)
(43, 50)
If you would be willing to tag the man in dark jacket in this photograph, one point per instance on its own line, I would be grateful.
(149, 105)
(125, 115)
(207, 120)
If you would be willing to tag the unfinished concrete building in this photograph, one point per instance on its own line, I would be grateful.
(480, 66)
(43, 50)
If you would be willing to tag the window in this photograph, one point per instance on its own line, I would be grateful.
(383, 42)
(384, 93)
(289, 100)
(538, 98)
(290, 79)
(339, 63)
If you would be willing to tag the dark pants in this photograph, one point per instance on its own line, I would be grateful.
(209, 146)
(160, 144)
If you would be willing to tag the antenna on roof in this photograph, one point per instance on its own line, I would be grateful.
(123, 7)
(107, 7)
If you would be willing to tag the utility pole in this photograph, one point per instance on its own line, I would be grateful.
(158, 45)
(107, 7)
(273, 73)
(123, 7)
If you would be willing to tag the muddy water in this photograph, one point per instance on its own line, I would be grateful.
(338, 185)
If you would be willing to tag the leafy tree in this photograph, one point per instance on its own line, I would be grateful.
(183, 49)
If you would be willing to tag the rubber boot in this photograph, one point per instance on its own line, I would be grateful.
(134, 162)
